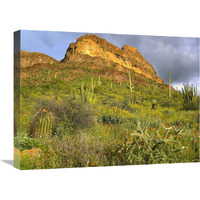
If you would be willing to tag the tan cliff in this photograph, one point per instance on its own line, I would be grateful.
(27, 59)
(128, 57)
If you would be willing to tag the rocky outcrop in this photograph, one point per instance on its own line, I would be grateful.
(30, 58)
(128, 57)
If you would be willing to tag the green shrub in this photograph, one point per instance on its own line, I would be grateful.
(22, 141)
(99, 90)
(113, 119)
(191, 105)
(166, 103)
(113, 115)
(70, 113)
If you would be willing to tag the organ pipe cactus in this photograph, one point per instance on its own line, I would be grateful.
(43, 124)
(87, 94)
(189, 92)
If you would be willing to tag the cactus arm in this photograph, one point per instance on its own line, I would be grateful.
(48, 127)
(99, 81)
(92, 86)
(40, 127)
(170, 85)
(130, 82)
(45, 127)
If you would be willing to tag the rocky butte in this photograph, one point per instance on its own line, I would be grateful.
(28, 59)
(125, 58)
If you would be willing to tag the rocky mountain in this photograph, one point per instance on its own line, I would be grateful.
(30, 58)
(90, 46)
(94, 53)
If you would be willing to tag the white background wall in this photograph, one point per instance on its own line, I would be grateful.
(166, 18)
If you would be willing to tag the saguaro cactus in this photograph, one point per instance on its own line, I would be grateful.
(170, 82)
(82, 91)
(130, 82)
(131, 87)
(99, 81)
(55, 75)
(92, 86)
(43, 124)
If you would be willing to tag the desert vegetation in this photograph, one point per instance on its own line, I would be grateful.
(78, 117)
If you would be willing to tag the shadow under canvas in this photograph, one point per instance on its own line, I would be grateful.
(10, 162)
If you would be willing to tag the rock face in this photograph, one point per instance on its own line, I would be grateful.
(128, 57)
(30, 58)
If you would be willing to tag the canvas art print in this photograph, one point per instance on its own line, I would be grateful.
(95, 100)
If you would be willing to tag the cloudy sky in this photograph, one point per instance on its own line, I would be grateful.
(178, 55)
